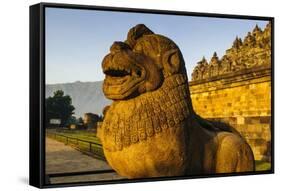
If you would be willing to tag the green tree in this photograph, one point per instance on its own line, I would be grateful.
(71, 120)
(80, 120)
(59, 106)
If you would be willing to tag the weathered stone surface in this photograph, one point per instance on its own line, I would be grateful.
(253, 51)
(242, 100)
(151, 129)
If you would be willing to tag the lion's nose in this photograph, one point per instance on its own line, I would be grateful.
(118, 46)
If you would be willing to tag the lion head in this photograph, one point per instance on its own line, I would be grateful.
(140, 64)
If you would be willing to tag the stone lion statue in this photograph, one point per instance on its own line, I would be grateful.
(151, 129)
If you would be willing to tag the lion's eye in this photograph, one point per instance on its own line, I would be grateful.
(139, 73)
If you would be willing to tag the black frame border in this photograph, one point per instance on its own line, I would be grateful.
(37, 92)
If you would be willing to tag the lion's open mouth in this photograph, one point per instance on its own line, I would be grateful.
(117, 72)
(121, 81)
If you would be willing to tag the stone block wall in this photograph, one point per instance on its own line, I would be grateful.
(243, 100)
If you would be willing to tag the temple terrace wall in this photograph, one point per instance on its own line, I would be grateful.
(242, 100)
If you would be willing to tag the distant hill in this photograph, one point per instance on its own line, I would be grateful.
(86, 96)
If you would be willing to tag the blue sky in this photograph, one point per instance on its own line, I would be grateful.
(77, 40)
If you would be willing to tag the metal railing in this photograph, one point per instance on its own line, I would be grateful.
(93, 149)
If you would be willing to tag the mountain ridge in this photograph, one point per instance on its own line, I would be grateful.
(86, 96)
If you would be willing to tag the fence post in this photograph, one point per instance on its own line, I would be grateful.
(90, 147)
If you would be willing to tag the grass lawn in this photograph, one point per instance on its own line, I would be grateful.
(80, 134)
(261, 165)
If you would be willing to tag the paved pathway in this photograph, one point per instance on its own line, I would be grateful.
(61, 158)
